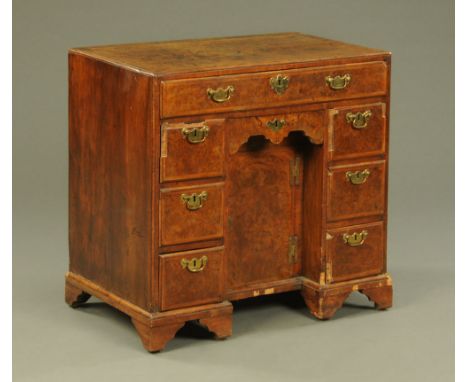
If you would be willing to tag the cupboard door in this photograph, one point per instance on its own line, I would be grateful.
(262, 213)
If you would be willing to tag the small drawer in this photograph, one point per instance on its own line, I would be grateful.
(270, 89)
(356, 251)
(275, 127)
(192, 150)
(190, 214)
(356, 190)
(357, 131)
(191, 278)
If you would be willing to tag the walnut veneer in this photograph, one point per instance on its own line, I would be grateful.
(207, 171)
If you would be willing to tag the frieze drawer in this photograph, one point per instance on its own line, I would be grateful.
(248, 91)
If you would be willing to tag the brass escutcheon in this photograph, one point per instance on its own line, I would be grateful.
(279, 83)
(220, 95)
(359, 119)
(194, 201)
(355, 239)
(276, 124)
(357, 177)
(338, 82)
(195, 134)
(194, 264)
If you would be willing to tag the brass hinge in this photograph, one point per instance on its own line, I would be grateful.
(292, 249)
(294, 165)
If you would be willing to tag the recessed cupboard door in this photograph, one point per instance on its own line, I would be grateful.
(262, 214)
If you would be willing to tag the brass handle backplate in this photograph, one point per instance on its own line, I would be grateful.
(276, 124)
(338, 82)
(355, 239)
(194, 201)
(279, 83)
(221, 94)
(357, 177)
(194, 264)
(195, 134)
(359, 119)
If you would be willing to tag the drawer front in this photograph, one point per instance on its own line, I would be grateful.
(357, 131)
(356, 191)
(190, 214)
(192, 150)
(275, 128)
(191, 278)
(269, 89)
(356, 251)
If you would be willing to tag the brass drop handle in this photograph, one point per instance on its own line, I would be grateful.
(276, 124)
(357, 177)
(194, 201)
(221, 94)
(355, 239)
(338, 82)
(194, 264)
(195, 134)
(279, 83)
(359, 119)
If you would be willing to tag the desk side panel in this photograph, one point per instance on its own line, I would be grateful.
(110, 183)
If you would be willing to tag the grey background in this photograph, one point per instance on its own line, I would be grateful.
(274, 338)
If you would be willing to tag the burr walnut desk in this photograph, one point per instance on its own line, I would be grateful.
(208, 171)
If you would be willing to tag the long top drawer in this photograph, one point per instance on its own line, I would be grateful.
(270, 89)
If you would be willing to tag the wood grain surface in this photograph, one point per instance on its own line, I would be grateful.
(260, 214)
(110, 182)
(189, 96)
(229, 52)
